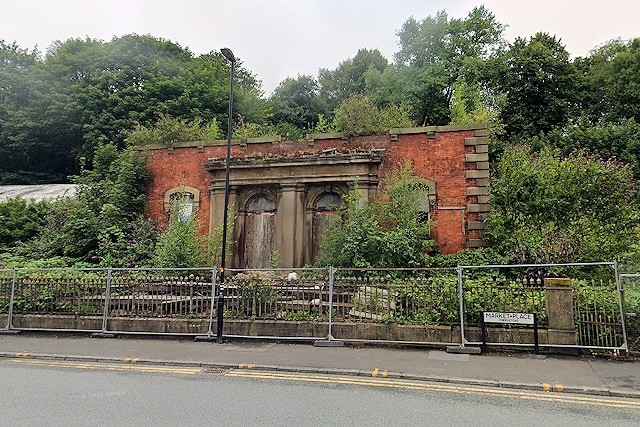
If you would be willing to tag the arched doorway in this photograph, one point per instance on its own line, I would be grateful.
(259, 231)
(324, 210)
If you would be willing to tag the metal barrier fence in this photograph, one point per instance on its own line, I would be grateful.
(597, 319)
(115, 300)
(631, 303)
(107, 294)
(6, 288)
(426, 296)
(60, 291)
(302, 294)
(177, 293)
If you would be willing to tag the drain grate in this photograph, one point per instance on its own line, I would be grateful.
(215, 370)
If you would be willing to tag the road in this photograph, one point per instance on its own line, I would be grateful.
(55, 393)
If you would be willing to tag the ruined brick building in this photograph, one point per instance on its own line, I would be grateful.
(283, 192)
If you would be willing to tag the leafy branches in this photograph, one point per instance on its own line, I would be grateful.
(547, 208)
(385, 233)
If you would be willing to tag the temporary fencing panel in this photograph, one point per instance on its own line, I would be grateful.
(630, 284)
(432, 306)
(275, 299)
(6, 287)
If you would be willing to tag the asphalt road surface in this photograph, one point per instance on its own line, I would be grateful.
(54, 393)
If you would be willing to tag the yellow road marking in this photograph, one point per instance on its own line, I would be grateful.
(126, 366)
(549, 397)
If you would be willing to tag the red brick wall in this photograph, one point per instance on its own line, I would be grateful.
(440, 159)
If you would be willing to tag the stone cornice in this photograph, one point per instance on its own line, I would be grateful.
(305, 159)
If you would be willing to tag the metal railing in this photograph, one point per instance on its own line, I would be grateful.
(406, 296)
(112, 300)
(596, 299)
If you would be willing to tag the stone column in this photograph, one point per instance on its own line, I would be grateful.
(362, 189)
(216, 215)
(559, 302)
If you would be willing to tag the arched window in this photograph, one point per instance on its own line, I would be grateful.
(328, 202)
(181, 203)
(260, 203)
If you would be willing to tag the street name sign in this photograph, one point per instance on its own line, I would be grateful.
(500, 317)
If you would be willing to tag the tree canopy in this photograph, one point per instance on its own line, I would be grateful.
(71, 112)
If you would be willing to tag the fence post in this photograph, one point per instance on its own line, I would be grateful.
(330, 341)
(220, 308)
(331, 278)
(107, 296)
(9, 328)
(461, 308)
(210, 337)
(623, 316)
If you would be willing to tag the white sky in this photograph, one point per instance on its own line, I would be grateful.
(276, 39)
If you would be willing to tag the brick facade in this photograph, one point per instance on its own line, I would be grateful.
(455, 158)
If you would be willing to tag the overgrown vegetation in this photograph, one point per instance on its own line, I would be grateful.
(549, 208)
(391, 232)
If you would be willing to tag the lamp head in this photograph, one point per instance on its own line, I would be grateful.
(228, 54)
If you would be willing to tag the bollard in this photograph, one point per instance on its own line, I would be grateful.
(220, 316)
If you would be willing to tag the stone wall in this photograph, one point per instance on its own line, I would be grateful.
(433, 334)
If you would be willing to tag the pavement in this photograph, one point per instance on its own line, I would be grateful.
(520, 370)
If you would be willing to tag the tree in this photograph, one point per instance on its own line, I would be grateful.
(110, 195)
(168, 130)
(359, 116)
(539, 84)
(296, 101)
(548, 208)
(181, 245)
(612, 73)
(86, 92)
(20, 220)
(349, 78)
(617, 140)
(437, 52)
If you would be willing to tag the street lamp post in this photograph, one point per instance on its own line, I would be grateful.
(232, 59)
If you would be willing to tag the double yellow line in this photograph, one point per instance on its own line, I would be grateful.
(378, 379)
(396, 384)
(126, 365)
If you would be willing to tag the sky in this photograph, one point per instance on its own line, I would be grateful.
(276, 39)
